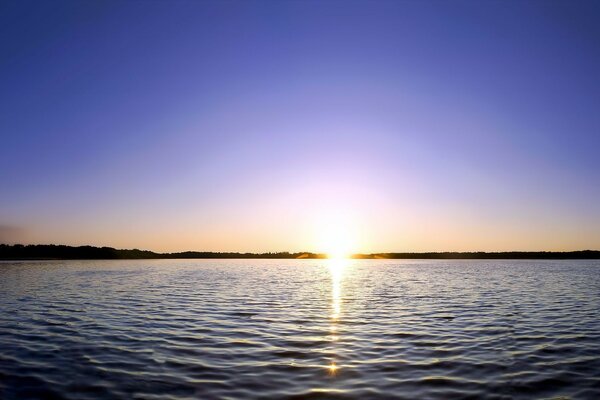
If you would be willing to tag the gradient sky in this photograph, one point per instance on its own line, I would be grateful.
(254, 126)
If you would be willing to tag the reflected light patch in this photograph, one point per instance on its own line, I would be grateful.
(332, 368)
(336, 269)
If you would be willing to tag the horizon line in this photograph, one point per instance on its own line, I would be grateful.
(61, 251)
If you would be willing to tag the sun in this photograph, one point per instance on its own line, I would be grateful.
(336, 237)
(338, 254)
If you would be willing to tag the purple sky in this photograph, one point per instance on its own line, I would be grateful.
(258, 126)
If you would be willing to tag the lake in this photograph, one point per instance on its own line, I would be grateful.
(300, 329)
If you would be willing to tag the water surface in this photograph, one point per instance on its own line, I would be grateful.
(235, 329)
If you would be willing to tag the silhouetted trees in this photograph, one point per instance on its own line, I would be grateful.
(51, 251)
(480, 255)
(38, 251)
(42, 251)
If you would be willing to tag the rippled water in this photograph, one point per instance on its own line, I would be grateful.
(235, 329)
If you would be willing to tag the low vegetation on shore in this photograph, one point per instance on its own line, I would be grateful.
(18, 251)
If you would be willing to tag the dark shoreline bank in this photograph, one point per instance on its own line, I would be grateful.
(62, 252)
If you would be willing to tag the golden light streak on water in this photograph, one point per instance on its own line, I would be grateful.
(337, 268)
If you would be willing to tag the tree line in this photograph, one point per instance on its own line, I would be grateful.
(63, 252)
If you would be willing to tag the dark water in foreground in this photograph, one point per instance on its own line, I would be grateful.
(238, 329)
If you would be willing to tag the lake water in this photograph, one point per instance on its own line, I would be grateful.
(300, 329)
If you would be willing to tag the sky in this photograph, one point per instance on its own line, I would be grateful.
(294, 125)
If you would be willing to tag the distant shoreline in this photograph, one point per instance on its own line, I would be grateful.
(63, 252)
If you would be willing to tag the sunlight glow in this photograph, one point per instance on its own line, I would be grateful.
(332, 368)
(337, 236)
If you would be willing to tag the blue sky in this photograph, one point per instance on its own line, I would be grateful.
(415, 126)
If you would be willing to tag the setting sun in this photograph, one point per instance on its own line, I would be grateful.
(337, 237)
(299, 199)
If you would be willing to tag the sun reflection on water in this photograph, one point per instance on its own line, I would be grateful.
(332, 368)
(337, 267)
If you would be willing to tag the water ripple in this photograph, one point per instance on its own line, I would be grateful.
(299, 329)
